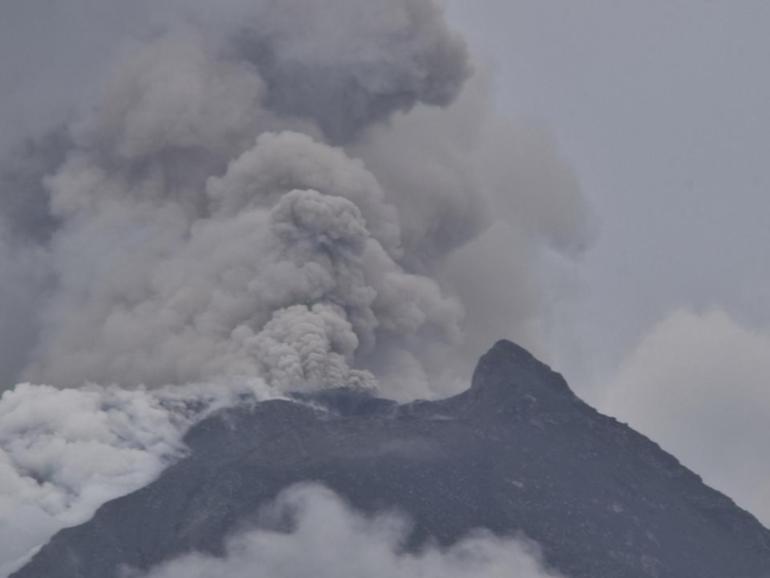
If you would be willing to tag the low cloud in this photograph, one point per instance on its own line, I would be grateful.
(328, 539)
(698, 384)
(64, 453)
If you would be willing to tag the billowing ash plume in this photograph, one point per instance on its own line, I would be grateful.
(386, 58)
(289, 193)
(244, 203)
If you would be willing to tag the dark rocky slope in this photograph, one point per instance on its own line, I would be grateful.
(516, 452)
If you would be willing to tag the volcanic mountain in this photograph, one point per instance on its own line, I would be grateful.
(518, 454)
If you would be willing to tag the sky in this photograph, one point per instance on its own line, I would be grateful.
(662, 109)
(658, 110)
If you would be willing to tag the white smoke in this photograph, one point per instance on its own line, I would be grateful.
(328, 539)
(65, 452)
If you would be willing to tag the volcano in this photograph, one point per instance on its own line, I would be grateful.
(517, 454)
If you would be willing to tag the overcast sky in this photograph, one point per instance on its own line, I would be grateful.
(662, 109)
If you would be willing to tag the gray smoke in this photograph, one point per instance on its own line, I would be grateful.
(261, 196)
(295, 191)
(387, 58)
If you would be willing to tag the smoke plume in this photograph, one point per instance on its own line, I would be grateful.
(278, 196)
(290, 194)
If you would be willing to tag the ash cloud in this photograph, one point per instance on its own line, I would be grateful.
(327, 538)
(263, 194)
(292, 191)
(389, 58)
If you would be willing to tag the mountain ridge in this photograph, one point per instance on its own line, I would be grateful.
(518, 452)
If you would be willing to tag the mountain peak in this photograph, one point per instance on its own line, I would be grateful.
(517, 454)
(508, 349)
(508, 371)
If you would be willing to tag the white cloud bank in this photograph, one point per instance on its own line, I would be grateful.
(330, 540)
(699, 384)
(64, 453)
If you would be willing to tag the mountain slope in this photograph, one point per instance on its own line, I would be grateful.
(517, 452)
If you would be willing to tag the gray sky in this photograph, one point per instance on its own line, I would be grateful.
(662, 108)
